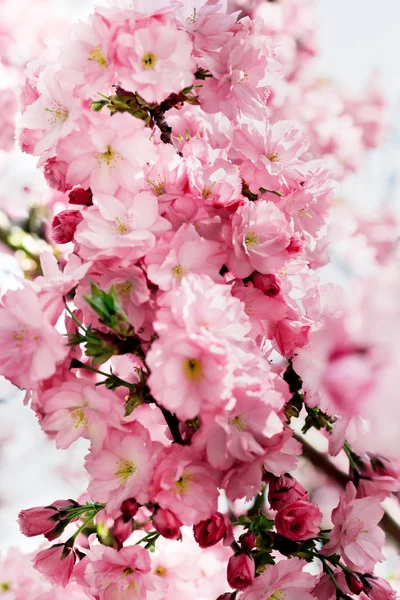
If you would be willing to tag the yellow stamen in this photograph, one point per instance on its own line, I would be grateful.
(108, 158)
(182, 485)
(302, 213)
(238, 423)
(78, 417)
(129, 571)
(278, 595)
(58, 112)
(124, 288)
(193, 18)
(161, 571)
(96, 55)
(121, 228)
(273, 157)
(149, 60)
(158, 186)
(5, 586)
(193, 369)
(179, 271)
(126, 469)
(251, 240)
(207, 191)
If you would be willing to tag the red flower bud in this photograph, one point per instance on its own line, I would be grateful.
(269, 284)
(167, 524)
(37, 521)
(130, 507)
(285, 490)
(241, 571)
(355, 583)
(211, 531)
(123, 527)
(64, 225)
(247, 541)
(298, 521)
(81, 197)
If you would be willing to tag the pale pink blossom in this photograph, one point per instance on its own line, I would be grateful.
(56, 563)
(120, 227)
(182, 253)
(123, 467)
(260, 236)
(153, 58)
(286, 579)
(180, 479)
(270, 156)
(356, 533)
(31, 345)
(108, 574)
(102, 155)
(75, 409)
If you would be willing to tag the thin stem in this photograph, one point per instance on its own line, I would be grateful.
(76, 321)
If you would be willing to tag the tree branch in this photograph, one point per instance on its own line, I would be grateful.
(321, 462)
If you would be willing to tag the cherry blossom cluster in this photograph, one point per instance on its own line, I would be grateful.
(183, 330)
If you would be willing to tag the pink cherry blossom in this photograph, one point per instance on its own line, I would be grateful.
(154, 59)
(31, 345)
(260, 236)
(122, 468)
(106, 573)
(56, 563)
(299, 520)
(356, 533)
(180, 478)
(102, 157)
(286, 578)
(116, 227)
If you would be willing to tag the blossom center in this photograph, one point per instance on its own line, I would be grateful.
(19, 336)
(126, 469)
(207, 191)
(128, 571)
(179, 271)
(302, 213)
(273, 157)
(149, 60)
(121, 228)
(161, 571)
(278, 595)
(238, 423)
(78, 417)
(125, 287)
(251, 240)
(182, 484)
(57, 113)
(5, 586)
(158, 186)
(108, 158)
(193, 369)
(96, 55)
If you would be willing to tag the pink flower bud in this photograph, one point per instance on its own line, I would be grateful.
(269, 284)
(123, 527)
(298, 521)
(211, 531)
(130, 507)
(55, 174)
(354, 582)
(247, 541)
(56, 563)
(64, 225)
(241, 571)
(285, 490)
(377, 588)
(80, 197)
(167, 524)
(38, 521)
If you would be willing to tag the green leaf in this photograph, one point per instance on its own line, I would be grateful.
(108, 307)
(98, 105)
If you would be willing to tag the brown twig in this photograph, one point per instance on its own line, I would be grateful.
(321, 462)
